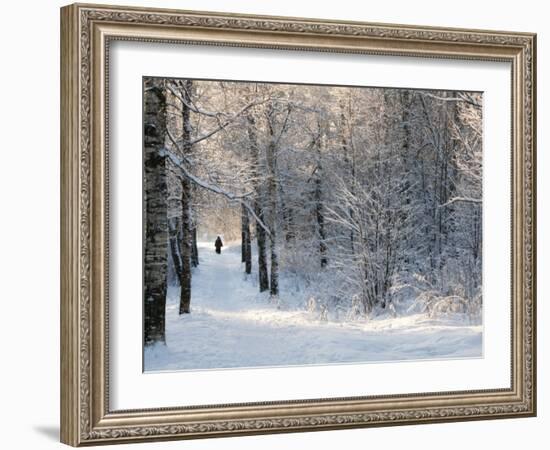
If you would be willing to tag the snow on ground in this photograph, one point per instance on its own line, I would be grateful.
(232, 325)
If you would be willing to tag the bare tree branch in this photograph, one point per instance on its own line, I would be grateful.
(462, 98)
(225, 123)
(214, 188)
(192, 106)
(461, 199)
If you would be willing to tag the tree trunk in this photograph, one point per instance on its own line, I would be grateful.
(186, 216)
(156, 220)
(186, 249)
(194, 248)
(289, 220)
(246, 244)
(271, 157)
(348, 149)
(320, 222)
(243, 233)
(262, 249)
(258, 204)
(274, 275)
(319, 201)
(175, 247)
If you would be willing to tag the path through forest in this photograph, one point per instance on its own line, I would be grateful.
(232, 325)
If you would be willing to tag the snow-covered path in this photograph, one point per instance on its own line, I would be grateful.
(231, 325)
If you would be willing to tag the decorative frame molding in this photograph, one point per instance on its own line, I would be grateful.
(86, 31)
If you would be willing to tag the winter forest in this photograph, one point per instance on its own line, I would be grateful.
(349, 218)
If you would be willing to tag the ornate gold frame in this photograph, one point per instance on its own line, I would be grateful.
(86, 31)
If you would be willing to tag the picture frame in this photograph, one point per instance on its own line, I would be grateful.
(87, 32)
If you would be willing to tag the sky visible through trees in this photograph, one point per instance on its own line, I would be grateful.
(358, 208)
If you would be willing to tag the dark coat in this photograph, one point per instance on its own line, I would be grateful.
(218, 244)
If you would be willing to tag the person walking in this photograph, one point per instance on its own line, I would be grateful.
(218, 244)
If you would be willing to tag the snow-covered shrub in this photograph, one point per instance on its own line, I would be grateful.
(317, 309)
(392, 310)
(311, 305)
(416, 294)
(436, 305)
(323, 315)
(355, 312)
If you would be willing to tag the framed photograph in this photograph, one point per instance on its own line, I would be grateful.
(276, 224)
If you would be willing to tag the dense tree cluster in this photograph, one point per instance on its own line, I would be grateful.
(367, 195)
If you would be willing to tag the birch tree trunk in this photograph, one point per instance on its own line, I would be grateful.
(271, 157)
(186, 216)
(258, 203)
(156, 219)
(262, 248)
(186, 249)
(174, 230)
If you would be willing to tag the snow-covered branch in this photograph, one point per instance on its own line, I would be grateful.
(461, 98)
(225, 123)
(461, 199)
(214, 188)
(191, 105)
